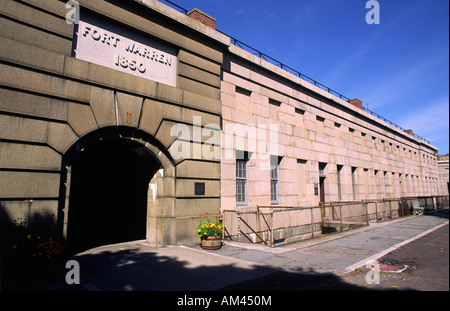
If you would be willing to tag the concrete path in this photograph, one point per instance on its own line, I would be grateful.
(339, 252)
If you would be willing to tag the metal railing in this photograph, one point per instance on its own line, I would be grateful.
(271, 225)
(285, 67)
(392, 123)
(177, 7)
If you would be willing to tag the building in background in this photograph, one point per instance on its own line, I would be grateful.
(443, 168)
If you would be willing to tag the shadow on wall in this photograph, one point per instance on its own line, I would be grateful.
(27, 247)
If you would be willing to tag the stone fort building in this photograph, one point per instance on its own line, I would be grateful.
(127, 120)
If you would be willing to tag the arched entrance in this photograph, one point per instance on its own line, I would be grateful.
(109, 183)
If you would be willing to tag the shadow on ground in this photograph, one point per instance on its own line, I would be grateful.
(134, 270)
(441, 213)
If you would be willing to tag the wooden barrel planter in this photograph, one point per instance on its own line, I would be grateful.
(211, 243)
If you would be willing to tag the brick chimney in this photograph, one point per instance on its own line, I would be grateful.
(203, 18)
(410, 132)
(357, 103)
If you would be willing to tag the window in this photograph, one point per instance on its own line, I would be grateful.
(322, 167)
(241, 182)
(274, 102)
(354, 182)
(385, 176)
(299, 111)
(375, 187)
(243, 91)
(339, 169)
(274, 184)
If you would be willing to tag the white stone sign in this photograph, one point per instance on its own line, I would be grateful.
(116, 47)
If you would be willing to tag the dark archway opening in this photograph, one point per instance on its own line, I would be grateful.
(109, 193)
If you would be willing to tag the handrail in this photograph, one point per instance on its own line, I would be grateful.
(392, 123)
(182, 10)
(285, 67)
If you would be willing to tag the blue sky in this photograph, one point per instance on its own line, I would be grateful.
(400, 66)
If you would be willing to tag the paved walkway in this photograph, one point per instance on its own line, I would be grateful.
(138, 266)
(339, 252)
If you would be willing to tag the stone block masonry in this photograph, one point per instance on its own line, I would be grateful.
(74, 98)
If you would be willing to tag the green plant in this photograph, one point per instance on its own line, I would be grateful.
(208, 227)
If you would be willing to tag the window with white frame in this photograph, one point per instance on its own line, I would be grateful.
(242, 177)
(274, 182)
(354, 182)
(339, 170)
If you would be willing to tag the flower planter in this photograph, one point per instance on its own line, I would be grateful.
(211, 243)
(210, 232)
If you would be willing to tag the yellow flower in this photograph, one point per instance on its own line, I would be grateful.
(205, 233)
(199, 230)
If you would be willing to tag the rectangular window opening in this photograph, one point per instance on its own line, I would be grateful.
(243, 91)
(322, 167)
(242, 159)
(299, 111)
(354, 182)
(274, 179)
(339, 170)
(274, 102)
